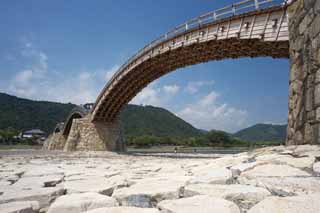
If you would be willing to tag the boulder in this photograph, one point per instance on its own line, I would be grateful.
(76, 203)
(124, 210)
(296, 204)
(23, 207)
(244, 195)
(200, 203)
(148, 193)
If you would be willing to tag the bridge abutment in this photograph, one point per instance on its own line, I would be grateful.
(86, 135)
(304, 85)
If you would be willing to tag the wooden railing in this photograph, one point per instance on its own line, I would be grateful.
(228, 11)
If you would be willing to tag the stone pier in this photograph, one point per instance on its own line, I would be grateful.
(86, 135)
(304, 89)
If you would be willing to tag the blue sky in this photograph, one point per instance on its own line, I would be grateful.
(65, 51)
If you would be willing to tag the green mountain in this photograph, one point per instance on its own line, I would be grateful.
(263, 132)
(23, 114)
(155, 121)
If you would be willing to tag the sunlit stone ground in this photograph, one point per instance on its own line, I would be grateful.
(278, 179)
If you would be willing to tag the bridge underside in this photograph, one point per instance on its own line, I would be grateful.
(138, 78)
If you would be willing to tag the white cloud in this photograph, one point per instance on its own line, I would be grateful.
(111, 72)
(171, 89)
(39, 83)
(194, 86)
(80, 91)
(148, 96)
(156, 96)
(25, 83)
(208, 114)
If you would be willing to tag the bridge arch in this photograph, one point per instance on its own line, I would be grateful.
(76, 113)
(256, 33)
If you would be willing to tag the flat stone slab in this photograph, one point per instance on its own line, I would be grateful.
(200, 203)
(20, 207)
(212, 176)
(275, 170)
(43, 195)
(285, 186)
(83, 202)
(124, 210)
(296, 204)
(148, 193)
(100, 185)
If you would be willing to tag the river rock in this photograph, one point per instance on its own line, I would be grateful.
(200, 203)
(76, 203)
(296, 204)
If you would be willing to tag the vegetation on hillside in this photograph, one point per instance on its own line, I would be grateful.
(211, 139)
(22, 114)
(155, 121)
(263, 133)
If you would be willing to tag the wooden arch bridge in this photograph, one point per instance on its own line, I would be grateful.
(251, 28)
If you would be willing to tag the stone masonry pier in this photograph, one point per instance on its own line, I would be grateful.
(304, 89)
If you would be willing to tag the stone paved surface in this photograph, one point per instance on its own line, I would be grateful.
(275, 179)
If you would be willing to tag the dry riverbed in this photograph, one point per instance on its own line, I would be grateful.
(278, 179)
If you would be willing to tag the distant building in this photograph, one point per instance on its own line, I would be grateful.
(34, 133)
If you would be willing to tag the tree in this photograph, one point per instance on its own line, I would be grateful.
(218, 138)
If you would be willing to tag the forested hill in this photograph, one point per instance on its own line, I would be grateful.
(263, 132)
(23, 114)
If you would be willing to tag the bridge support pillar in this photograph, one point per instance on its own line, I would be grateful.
(94, 136)
(304, 89)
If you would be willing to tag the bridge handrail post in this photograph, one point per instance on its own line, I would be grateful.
(256, 3)
(233, 9)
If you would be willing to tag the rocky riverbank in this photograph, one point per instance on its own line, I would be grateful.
(278, 179)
